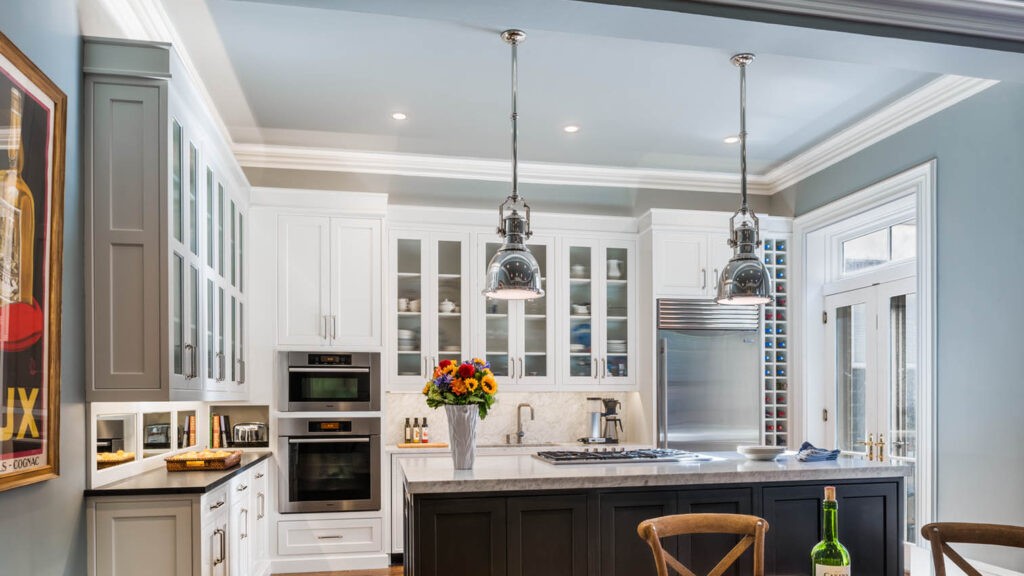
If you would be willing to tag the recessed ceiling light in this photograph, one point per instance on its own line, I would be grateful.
(399, 116)
(731, 139)
(571, 128)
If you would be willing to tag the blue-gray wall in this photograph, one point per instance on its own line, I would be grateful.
(42, 528)
(979, 145)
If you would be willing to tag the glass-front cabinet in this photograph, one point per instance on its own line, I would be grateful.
(429, 298)
(516, 335)
(598, 319)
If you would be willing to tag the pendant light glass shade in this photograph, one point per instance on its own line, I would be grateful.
(513, 273)
(745, 279)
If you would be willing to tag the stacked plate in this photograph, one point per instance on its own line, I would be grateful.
(406, 340)
(760, 452)
(616, 346)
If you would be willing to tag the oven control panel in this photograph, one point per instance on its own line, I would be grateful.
(329, 426)
(330, 359)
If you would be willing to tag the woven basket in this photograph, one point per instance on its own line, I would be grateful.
(179, 464)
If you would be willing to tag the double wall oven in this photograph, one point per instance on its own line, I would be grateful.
(330, 463)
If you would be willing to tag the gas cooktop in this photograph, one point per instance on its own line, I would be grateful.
(616, 456)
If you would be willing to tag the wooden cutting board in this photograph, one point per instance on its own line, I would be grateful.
(423, 445)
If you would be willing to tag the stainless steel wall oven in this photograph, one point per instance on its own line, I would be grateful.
(342, 382)
(329, 464)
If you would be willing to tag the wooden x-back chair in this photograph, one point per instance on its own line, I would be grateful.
(751, 528)
(941, 534)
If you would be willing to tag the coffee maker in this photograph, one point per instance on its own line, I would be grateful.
(596, 413)
(612, 420)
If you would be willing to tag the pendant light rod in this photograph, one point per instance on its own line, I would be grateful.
(741, 60)
(514, 37)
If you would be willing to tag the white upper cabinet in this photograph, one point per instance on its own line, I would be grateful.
(329, 281)
(681, 264)
(598, 334)
(164, 205)
(430, 302)
(517, 336)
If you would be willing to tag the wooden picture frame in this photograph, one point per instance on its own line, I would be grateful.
(33, 130)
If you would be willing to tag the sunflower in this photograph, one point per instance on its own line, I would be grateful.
(458, 387)
(426, 387)
(489, 385)
(450, 369)
(472, 384)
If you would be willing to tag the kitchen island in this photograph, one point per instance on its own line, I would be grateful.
(515, 515)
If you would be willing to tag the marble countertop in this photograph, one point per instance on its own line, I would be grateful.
(160, 481)
(498, 449)
(523, 472)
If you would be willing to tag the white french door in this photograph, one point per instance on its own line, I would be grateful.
(871, 347)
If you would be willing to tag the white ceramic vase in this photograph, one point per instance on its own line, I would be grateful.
(462, 434)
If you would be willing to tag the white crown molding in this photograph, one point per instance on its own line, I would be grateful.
(421, 165)
(931, 98)
(997, 19)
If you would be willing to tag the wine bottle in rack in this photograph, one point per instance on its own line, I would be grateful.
(829, 557)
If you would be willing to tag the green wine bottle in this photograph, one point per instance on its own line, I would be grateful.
(829, 557)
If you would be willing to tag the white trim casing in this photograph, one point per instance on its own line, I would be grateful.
(918, 182)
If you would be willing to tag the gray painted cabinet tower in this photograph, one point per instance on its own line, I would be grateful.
(165, 234)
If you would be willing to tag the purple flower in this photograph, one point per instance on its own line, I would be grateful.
(443, 382)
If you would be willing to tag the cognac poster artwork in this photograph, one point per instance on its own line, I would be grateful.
(32, 133)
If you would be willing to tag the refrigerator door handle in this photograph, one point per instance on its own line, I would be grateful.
(662, 393)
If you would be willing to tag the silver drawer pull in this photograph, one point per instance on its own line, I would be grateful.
(242, 488)
(259, 475)
(330, 537)
(217, 505)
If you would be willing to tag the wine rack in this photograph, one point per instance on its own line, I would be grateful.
(775, 330)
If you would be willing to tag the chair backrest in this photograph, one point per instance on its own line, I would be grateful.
(751, 528)
(941, 534)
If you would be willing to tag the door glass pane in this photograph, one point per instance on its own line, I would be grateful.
(241, 339)
(851, 376)
(497, 315)
(234, 339)
(209, 219)
(241, 253)
(535, 321)
(904, 240)
(220, 330)
(409, 360)
(449, 296)
(176, 180)
(178, 303)
(616, 310)
(193, 316)
(234, 245)
(902, 436)
(211, 349)
(220, 229)
(581, 359)
(866, 251)
(193, 182)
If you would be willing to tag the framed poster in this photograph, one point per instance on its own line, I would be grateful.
(33, 113)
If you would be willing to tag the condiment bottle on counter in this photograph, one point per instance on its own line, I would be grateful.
(408, 431)
(416, 431)
(424, 433)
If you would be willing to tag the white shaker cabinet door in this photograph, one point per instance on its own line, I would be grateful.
(719, 253)
(303, 280)
(681, 265)
(152, 537)
(355, 267)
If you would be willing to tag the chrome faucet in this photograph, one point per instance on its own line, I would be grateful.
(519, 421)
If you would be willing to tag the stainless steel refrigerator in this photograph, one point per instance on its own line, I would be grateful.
(709, 374)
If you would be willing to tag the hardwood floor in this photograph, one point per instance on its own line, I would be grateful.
(393, 571)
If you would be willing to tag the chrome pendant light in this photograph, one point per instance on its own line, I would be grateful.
(744, 279)
(513, 272)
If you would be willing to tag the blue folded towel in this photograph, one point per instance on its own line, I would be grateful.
(809, 453)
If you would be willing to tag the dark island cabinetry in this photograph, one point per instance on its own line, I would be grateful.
(593, 532)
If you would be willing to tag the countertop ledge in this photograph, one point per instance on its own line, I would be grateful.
(517, 472)
(160, 481)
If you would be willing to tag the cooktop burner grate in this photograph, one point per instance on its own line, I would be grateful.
(611, 455)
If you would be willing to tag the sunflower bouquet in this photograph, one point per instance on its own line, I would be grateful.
(470, 382)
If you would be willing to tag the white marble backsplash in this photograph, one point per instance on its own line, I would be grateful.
(559, 416)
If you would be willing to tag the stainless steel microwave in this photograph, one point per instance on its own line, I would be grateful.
(332, 382)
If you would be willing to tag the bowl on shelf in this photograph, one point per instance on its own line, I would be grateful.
(761, 452)
(578, 271)
(414, 305)
(406, 334)
(580, 309)
(446, 306)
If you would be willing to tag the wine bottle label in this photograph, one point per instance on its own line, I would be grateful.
(10, 252)
(822, 570)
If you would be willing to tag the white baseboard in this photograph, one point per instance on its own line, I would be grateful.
(330, 563)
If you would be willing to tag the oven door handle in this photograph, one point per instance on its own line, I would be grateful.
(331, 369)
(327, 440)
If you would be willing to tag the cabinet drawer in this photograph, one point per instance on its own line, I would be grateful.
(214, 501)
(240, 487)
(329, 536)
